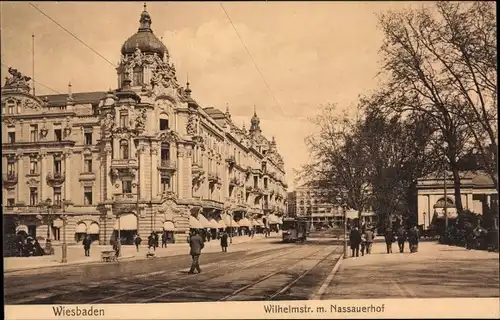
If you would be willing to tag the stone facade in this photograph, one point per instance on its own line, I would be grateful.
(478, 194)
(132, 158)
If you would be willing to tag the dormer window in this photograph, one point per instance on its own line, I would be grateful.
(137, 79)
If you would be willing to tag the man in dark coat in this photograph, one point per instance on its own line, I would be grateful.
(401, 238)
(152, 241)
(196, 244)
(389, 239)
(413, 237)
(223, 241)
(355, 240)
(86, 245)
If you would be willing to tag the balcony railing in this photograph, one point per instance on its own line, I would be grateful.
(213, 178)
(125, 197)
(56, 177)
(123, 163)
(167, 165)
(231, 160)
(10, 178)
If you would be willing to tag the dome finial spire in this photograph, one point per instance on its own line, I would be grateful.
(228, 115)
(145, 21)
(145, 5)
(188, 90)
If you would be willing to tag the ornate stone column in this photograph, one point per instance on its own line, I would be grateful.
(107, 167)
(189, 181)
(20, 176)
(43, 172)
(180, 170)
(154, 171)
(67, 173)
(142, 172)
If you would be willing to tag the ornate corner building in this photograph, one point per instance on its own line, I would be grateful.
(132, 158)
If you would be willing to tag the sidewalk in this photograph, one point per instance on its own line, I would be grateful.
(435, 271)
(76, 254)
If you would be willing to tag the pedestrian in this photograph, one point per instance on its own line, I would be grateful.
(369, 240)
(389, 239)
(151, 241)
(401, 233)
(137, 242)
(86, 245)
(355, 240)
(363, 243)
(223, 242)
(413, 237)
(117, 246)
(164, 239)
(196, 245)
(253, 232)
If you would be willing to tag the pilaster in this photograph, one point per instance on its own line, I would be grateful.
(20, 174)
(154, 171)
(180, 170)
(142, 172)
(107, 166)
(67, 173)
(43, 173)
(188, 172)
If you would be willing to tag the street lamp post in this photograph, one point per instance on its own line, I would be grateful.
(230, 226)
(344, 212)
(48, 203)
(64, 244)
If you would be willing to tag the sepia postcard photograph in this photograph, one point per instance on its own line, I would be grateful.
(249, 159)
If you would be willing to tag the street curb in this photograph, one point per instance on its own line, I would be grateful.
(328, 280)
(70, 264)
(67, 265)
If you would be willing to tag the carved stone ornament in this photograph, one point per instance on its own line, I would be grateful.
(155, 150)
(140, 121)
(192, 125)
(169, 136)
(30, 104)
(43, 133)
(67, 130)
(108, 124)
(17, 79)
(10, 122)
(168, 195)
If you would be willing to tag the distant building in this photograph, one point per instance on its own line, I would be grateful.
(478, 194)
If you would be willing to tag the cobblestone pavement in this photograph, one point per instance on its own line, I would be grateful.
(76, 254)
(436, 271)
(258, 270)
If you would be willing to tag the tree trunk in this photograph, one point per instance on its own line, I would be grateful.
(457, 187)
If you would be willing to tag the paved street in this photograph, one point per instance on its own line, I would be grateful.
(257, 270)
(436, 271)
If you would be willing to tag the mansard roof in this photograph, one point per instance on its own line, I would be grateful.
(78, 98)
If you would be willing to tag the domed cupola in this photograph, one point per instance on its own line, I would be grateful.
(144, 39)
(255, 123)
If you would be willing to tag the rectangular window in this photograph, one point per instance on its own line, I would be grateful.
(11, 202)
(33, 133)
(57, 195)
(57, 165)
(163, 124)
(33, 196)
(127, 186)
(137, 76)
(255, 182)
(11, 137)
(165, 184)
(87, 196)
(33, 166)
(165, 153)
(124, 120)
(88, 166)
(11, 107)
(88, 138)
(265, 183)
(10, 168)
(58, 134)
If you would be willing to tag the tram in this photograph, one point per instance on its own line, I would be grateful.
(295, 229)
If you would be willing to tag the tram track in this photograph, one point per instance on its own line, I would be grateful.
(65, 287)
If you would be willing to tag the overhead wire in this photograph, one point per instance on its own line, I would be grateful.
(72, 34)
(253, 60)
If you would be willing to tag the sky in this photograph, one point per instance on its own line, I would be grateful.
(309, 53)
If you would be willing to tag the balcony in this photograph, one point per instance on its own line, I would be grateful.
(124, 164)
(213, 178)
(167, 165)
(87, 176)
(231, 161)
(249, 188)
(234, 182)
(56, 178)
(125, 197)
(10, 178)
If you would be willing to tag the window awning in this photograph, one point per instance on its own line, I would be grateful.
(22, 227)
(244, 223)
(221, 224)
(194, 223)
(58, 223)
(229, 222)
(168, 226)
(81, 228)
(203, 221)
(214, 224)
(273, 219)
(93, 228)
(127, 222)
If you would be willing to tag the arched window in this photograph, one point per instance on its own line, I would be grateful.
(138, 76)
(124, 149)
(165, 151)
